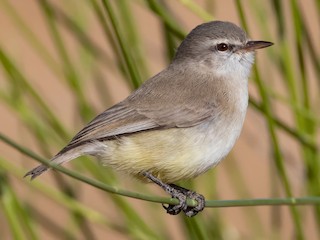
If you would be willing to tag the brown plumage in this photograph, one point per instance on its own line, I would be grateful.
(182, 121)
(194, 108)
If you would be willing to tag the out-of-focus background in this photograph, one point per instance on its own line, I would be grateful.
(63, 62)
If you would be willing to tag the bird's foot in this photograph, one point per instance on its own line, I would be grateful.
(189, 211)
(182, 194)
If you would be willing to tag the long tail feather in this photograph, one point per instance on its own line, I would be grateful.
(58, 159)
(36, 171)
(93, 148)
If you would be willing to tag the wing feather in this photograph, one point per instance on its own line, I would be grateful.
(157, 104)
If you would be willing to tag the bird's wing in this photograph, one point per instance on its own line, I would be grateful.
(113, 122)
(155, 105)
(167, 100)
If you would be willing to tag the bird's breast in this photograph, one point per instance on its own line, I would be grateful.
(177, 153)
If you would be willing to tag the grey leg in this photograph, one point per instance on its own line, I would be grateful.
(182, 194)
(191, 211)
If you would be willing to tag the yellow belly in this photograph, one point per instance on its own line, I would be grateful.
(157, 152)
(170, 155)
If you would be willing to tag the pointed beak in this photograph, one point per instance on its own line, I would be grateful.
(254, 45)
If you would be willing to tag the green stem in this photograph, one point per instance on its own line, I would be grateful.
(132, 69)
(278, 158)
(210, 203)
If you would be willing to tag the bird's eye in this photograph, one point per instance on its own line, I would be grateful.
(222, 47)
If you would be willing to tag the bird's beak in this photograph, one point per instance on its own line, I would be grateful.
(254, 45)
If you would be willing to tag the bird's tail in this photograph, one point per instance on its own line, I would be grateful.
(65, 156)
(60, 158)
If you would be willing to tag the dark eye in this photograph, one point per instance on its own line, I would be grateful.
(222, 47)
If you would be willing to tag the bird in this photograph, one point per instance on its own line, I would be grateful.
(179, 123)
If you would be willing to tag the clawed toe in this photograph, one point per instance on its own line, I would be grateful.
(182, 194)
(181, 206)
(192, 211)
(172, 209)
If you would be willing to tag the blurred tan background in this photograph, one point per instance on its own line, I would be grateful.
(251, 156)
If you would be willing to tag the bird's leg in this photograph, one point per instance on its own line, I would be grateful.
(181, 194)
(190, 211)
(171, 209)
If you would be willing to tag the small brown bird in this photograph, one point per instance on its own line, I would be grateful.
(179, 123)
